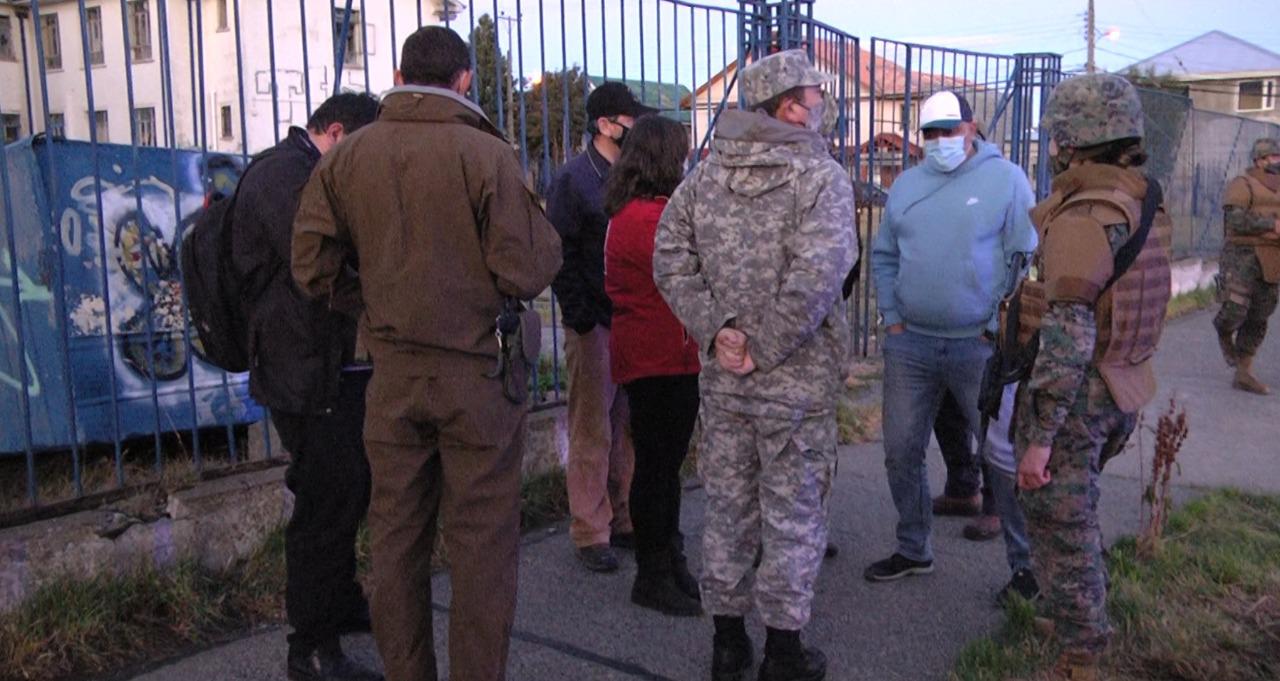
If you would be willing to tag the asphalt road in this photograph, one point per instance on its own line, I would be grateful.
(574, 625)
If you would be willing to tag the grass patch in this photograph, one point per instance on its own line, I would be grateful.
(77, 629)
(70, 630)
(1191, 301)
(544, 499)
(1205, 606)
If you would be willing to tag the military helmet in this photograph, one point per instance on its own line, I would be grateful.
(1093, 109)
(1265, 147)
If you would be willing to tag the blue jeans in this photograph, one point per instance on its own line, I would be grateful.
(1002, 474)
(917, 369)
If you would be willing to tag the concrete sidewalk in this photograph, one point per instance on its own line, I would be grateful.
(574, 625)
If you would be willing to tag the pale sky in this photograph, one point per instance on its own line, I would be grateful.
(1145, 27)
(1139, 29)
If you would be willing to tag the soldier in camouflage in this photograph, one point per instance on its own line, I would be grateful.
(1093, 372)
(1250, 264)
(750, 255)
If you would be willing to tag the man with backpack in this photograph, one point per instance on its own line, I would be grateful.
(1104, 266)
(303, 365)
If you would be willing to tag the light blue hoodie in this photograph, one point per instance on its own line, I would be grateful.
(941, 258)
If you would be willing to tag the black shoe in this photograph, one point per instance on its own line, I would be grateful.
(832, 551)
(809, 666)
(1023, 585)
(625, 541)
(327, 664)
(731, 660)
(896, 566)
(685, 580)
(598, 558)
(662, 594)
(357, 620)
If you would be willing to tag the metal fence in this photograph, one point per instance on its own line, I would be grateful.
(147, 106)
(1194, 154)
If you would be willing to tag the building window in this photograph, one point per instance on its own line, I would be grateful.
(100, 124)
(1256, 95)
(93, 27)
(354, 55)
(223, 24)
(57, 125)
(140, 29)
(224, 120)
(145, 122)
(12, 127)
(7, 53)
(52, 41)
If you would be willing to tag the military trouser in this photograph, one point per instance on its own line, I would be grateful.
(1062, 516)
(767, 482)
(1247, 299)
(445, 446)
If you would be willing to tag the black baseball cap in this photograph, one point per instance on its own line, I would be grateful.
(615, 99)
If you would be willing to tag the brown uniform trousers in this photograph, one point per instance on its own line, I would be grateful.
(445, 447)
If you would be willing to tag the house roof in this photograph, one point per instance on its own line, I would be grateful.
(890, 78)
(1212, 54)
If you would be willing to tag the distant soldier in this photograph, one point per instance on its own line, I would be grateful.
(750, 254)
(1250, 264)
(1105, 268)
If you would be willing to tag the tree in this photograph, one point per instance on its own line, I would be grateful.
(554, 85)
(494, 82)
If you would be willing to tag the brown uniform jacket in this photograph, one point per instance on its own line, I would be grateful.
(1078, 255)
(431, 200)
(1259, 193)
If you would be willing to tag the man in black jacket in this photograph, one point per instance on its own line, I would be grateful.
(304, 367)
(601, 459)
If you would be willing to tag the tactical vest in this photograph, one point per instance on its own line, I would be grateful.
(1130, 314)
(1251, 191)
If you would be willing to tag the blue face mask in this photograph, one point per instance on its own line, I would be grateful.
(945, 154)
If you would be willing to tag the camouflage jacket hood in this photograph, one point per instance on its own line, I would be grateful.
(754, 153)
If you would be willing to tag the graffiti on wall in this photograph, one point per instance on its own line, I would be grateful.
(114, 226)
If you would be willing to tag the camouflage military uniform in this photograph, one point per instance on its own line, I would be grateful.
(759, 237)
(1251, 207)
(1093, 370)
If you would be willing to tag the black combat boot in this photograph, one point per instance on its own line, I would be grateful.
(656, 588)
(786, 659)
(731, 653)
(680, 573)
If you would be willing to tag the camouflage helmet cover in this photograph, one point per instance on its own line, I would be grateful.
(1265, 147)
(777, 73)
(1093, 109)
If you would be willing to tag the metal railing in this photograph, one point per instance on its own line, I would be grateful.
(102, 384)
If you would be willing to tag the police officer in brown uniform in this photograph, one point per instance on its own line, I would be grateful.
(431, 204)
(1250, 263)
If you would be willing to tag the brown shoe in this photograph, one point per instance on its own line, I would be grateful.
(985, 528)
(1245, 379)
(961, 506)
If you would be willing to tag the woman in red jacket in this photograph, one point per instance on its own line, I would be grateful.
(653, 358)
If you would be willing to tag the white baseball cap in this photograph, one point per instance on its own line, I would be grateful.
(945, 110)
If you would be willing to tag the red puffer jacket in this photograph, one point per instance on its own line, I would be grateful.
(646, 339)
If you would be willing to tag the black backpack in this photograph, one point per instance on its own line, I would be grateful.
(220, 327)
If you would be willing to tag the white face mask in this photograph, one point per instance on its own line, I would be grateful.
(945, 154)
(816, 112)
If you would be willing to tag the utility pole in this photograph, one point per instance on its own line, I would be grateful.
(511, 102)
(1091, 34)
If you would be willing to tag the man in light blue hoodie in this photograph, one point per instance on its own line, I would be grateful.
(941, 262)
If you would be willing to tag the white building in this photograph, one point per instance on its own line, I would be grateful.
(192, 69)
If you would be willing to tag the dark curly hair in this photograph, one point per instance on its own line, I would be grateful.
(651, 164)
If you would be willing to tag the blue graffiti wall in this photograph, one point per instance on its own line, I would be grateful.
(106, 221)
